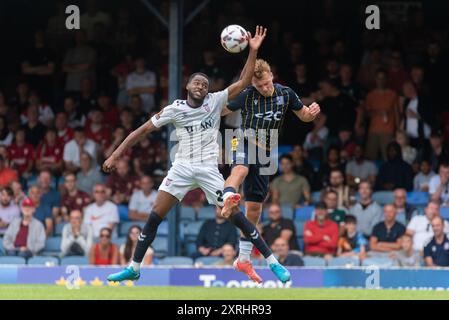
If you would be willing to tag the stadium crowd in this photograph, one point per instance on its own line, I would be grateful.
(368, 179)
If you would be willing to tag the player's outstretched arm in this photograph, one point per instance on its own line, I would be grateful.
(130, 141)
(248, 70)
(308, 114)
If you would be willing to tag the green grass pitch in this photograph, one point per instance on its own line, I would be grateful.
(53, 292)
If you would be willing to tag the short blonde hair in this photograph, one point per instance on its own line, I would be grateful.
(261, 67)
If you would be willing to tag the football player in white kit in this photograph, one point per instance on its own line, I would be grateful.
(197, 122)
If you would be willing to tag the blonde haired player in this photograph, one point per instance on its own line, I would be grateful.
(197, 121)
(263, 106)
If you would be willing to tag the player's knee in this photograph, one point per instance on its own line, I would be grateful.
(240, 171)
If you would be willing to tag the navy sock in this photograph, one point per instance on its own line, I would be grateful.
(251, 233)
(228, 189)
(147, 236)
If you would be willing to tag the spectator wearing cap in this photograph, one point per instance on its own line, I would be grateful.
(49, 153)
(402, 207)
(21, 155)
(25, 236)
(436, 251)
(420, 227)
(72, 198)
(102, 213)
(289, 188)
(287, 258)
(439, 185)
(142, 200)
(382, 111)
(88, 175)
(7, 175)
(43, 211)
(386, 234)
(352, 242)
(278, 226)
(121, 183)
(8, 209)
(73, 149)
(395, 172)
(77, 237)
(321, 234)
(360, 169)
(367, 211)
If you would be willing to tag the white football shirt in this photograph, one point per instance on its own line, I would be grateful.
(196, 128)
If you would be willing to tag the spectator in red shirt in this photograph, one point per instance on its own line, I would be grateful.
(49, 153)
(96, 128)
(121, 184)
(321, 234)
(104, 252)
(111, 113)
(72, 198)
(21, 155)
(65, 133)
(7, 175)
(144, 156)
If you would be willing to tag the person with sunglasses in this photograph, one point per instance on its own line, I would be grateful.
(104, 252)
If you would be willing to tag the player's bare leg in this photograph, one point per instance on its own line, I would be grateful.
(164, 202)
(231, 197)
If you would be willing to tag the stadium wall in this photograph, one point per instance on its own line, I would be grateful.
(413, 279)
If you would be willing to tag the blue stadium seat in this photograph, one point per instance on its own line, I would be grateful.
(58, 229)
(192, 229)
(124, 227)
(383, 197)
(300, 241)
(287, 211)
(314, 261)
(75, 260)
(299, 225)
(43, 260)
(283, 149)
(162, 230)
(12, 260)
(207, 212)
(118, 241)
(207, 261)
(123, 212)
(417, 198)
(378, 262)
(304, 213)
(316, 197)
(444, 212)
(401, 218)
(176, 261)
(160, 246)
(187, 214)
(344, 262)
(2, 250)
(190, 247)
(52, 246)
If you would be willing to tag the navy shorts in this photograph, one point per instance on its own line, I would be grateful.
(255, 186)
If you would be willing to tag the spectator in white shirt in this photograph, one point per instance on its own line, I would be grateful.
(141, 202)
(423, 177)
(420, 227)
(77, 237)
(439, 185)
(75, 147)
(142, 82)
(102, 213)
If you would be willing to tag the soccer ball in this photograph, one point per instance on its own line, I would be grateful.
(233, 38)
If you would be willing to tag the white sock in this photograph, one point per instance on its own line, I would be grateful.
(135, 266)
(227, 194)
(271, 259)
(245, 249)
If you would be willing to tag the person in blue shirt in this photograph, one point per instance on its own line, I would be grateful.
(43, 211)
(352, 242)
(436, 252)
(50, 197)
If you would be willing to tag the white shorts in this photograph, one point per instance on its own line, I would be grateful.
(183, 177)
